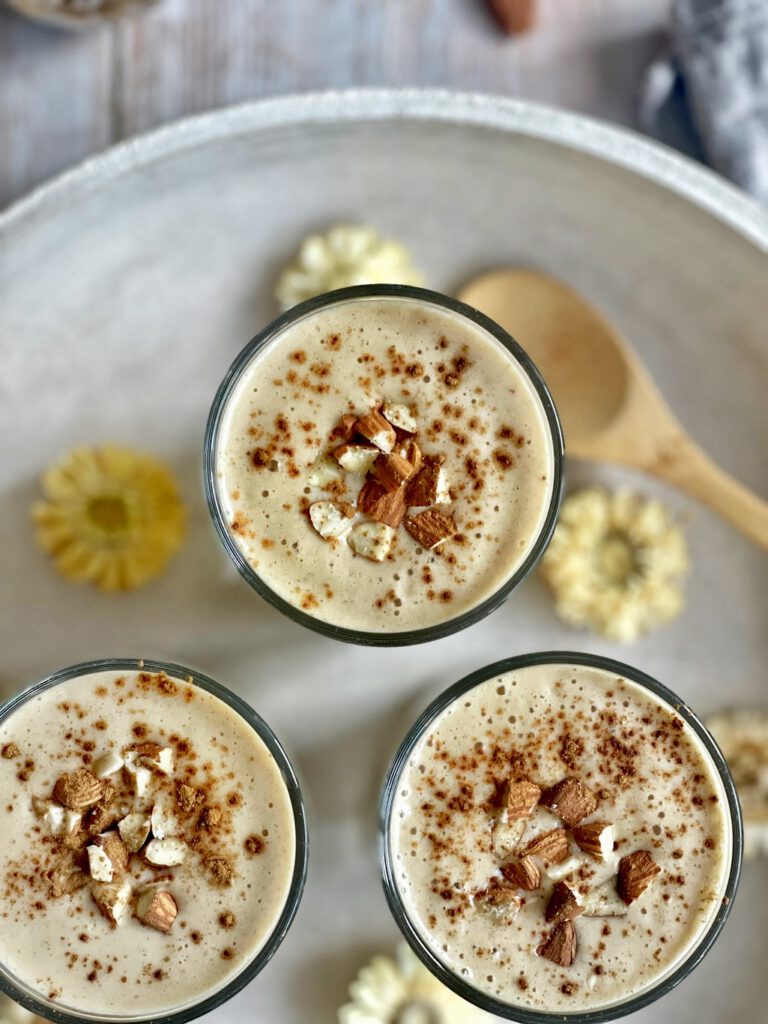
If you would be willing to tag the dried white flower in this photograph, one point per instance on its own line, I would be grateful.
(616, 564)
(402, 991)
(742, 735)
(347, 254)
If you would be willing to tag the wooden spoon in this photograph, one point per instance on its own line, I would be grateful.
(610, 408)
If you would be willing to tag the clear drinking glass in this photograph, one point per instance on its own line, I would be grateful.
(272, 333)
(521, 1014)
(39, 1004)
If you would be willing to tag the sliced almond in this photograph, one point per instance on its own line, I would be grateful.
(78, 789)
(551, 847)
(636, 872)
(523, 873)
(400, 416)
(134, 830)
(392, 470)
(384, 506)
(377, 430)
(563, 904)
(107, 765)
(430, 486)
(371, 540)
(356, 458)
(330, 518)
(571, 800)
(430, 527)
(324, 471)
(166, 853)
(157, 909)
(560, 945)
(163, 821)
(161, 761)
(506, 836)
(522, 797)
(596, 838)
(99, 865)
(604, 901)
(113, 899)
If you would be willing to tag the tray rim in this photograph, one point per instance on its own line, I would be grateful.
(616, 145)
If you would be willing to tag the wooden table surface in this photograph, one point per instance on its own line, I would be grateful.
(66, 95)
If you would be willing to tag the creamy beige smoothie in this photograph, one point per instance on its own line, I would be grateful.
(147, 844)
(560, 838)
(385, 464)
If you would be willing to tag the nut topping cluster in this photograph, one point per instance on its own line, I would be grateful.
(523, 865)
(401, 485)
(112, 823)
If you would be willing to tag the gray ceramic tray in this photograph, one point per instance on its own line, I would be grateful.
(128, 285)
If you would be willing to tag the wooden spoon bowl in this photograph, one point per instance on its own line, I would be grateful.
(610, 408)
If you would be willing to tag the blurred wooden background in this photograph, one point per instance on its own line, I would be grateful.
(64, 96)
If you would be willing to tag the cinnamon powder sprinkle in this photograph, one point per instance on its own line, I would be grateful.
(254, 845)
(221, 870)
(227, 919)
(9, 751)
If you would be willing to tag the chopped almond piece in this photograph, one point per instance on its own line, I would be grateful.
(522, 797)
(563, 904)
(523, 873)
(560, 945)
(115, 849)
(134, 830)
(595, 838)
(551, 847)
(78, 789)
(571, 800)
(564, 868)
(371, 540)
(99, 865)
(401, 417)
(324, 470)
(392, 470)
(166, 853)
(356, 458)
(331, 519)
(107, 765)
(382, 505)
(636, 872)
(163, 821)
(67, 879)
(346, 428)
(430, 527)
(112, 898)
(506, 836)
(377, 430)
(500, 898)
(160, 760)
(157, 909)
(411, 451)
(604, 902)
(430, 487)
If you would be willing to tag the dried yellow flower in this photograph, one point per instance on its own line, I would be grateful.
(111, 516)
(616, 564)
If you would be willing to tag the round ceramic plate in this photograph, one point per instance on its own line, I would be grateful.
(127, 287)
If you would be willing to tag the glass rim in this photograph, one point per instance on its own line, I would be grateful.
(521, 1014)
(232, 379)
(31, 1000)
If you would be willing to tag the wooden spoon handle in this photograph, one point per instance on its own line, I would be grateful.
(689, 468)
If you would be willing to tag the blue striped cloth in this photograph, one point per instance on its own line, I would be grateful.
(709, 95)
